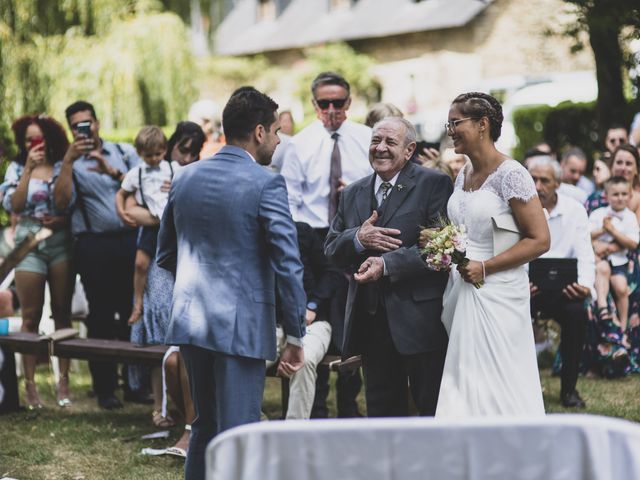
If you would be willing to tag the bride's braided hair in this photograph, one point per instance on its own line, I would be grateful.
(478, 104)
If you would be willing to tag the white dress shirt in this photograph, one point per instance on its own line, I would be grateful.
(570, 238)
(574, 192)
(307, 165)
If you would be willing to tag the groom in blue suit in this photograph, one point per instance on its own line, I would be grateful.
(228, 235)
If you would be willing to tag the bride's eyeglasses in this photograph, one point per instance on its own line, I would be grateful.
(451, 125)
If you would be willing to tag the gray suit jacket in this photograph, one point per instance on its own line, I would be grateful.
(228, 235)
(412, 293)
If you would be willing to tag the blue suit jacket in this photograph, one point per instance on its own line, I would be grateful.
(228, 235)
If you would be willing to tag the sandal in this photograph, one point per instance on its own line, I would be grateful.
(32, 398)
(604, 314)
(63, 392)
(160, 421)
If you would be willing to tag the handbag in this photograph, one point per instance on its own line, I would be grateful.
(505, 233)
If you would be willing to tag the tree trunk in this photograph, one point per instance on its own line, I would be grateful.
(604, 33)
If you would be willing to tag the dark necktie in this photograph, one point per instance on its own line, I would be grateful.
(334, 178)
(385, 187)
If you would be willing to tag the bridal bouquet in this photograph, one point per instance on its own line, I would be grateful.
(444, 245)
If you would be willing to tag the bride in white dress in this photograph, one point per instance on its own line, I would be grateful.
(491, 366)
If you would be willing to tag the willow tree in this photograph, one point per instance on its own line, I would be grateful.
(126, 56)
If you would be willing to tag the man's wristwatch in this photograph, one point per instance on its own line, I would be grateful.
(313, 306)
(116, 175)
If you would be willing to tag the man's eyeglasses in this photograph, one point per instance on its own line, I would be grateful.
(451, 125)
(337, 103)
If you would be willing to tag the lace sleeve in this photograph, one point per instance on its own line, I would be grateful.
(517, 183)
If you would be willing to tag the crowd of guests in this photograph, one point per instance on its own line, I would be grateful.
(104, 202)
(609, 203)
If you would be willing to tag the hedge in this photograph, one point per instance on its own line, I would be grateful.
(568, 123)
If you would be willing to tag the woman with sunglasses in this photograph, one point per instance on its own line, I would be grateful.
(28, 192)
(184, 147)
(491, 366)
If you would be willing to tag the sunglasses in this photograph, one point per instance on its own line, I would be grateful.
(337, 103)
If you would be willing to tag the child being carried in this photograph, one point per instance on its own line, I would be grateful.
(141, 200)
(617, 226)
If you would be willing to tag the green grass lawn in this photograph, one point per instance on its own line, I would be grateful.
(84, 442)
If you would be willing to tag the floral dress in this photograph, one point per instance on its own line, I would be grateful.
(603, 344)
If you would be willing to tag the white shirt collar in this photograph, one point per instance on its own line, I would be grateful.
(378, 182)
(250, 156)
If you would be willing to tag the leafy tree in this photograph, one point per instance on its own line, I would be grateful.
(609, 24)
(125, 56)
(340, 58)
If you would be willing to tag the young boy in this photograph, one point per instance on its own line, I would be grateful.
(147, 183)
(617, 226)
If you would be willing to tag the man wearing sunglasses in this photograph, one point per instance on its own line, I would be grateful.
(616, 135)
(318, 163)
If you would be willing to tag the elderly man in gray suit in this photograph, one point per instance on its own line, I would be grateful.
(228, 235)
(394, 302)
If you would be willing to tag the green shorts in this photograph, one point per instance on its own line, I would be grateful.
(49, 252)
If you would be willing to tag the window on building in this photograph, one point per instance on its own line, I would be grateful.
(281, 6)
(266, 10)
(337, 5)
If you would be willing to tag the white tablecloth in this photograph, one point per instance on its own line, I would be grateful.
(557, 447)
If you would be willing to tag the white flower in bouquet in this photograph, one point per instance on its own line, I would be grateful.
(444, 245)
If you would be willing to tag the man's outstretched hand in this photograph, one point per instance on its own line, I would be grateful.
(291, 360)
(371, 270)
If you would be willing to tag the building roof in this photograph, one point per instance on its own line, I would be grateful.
(310, 22)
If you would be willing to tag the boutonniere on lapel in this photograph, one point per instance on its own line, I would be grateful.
(400, 187)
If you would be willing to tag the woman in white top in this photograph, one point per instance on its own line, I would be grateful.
(491, 367)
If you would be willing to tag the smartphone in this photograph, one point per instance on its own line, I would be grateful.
(35, 141)
(84, 129)
(422, 145)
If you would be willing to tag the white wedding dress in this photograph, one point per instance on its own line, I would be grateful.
(491, 366)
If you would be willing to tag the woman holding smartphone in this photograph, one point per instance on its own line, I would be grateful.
(27, 192)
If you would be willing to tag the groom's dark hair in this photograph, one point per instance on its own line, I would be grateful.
(246, 109)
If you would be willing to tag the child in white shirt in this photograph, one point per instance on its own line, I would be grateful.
(617, 226)
(148, 184)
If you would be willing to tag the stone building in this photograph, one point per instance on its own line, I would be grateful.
(426, 51)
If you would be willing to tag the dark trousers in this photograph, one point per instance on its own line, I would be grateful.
(572, 317)
(105, 263)
(226, 392)
(387, 372)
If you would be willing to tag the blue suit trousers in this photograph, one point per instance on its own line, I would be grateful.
(227, 392)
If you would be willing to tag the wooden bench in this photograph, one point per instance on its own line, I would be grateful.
(62, 343)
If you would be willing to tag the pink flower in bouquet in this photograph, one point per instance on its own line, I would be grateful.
(444, 245)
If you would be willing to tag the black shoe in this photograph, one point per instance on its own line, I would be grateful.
(572, 400)
(136, 396)
(109, 402)
(350, 414)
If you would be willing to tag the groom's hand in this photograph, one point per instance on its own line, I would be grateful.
(378, 238)
(291, 360)
(371, 270)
